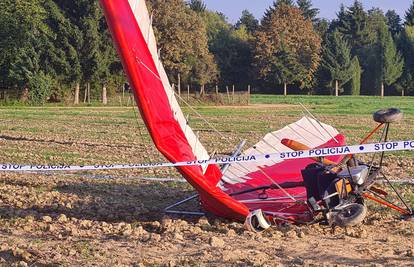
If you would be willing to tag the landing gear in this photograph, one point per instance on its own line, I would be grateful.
(256, 221)
(349, 215)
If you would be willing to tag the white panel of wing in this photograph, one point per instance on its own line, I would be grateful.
(306, 130)
(143, 18)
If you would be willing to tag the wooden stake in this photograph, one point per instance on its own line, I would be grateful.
(232, 95)
(104, 97)
(248, 94)
(77, 89)
(228, 94)
(336, 88)
(89, 93)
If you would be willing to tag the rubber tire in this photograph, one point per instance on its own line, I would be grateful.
(351, 215)
(352, 162)
(388, 115)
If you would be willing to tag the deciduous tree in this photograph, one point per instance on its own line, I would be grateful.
(182, 39)
(287, 48)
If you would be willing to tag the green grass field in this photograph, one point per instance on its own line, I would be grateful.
(361, 105)
(122, 125)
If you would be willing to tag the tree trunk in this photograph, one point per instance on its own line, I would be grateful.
(382, 89)
(104, 98)
(77, 91)
(336, 88)
(86, 94)
(402, 92)
(89, 93)
(284, 89)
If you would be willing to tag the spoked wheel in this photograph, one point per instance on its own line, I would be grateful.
(350, 215)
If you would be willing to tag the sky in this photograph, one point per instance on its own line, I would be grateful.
(327, 8)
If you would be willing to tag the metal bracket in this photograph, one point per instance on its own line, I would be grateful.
(169, 209)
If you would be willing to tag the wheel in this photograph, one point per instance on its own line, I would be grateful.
(256, 221)
(350, 215)
(352, 162)
(388, 115)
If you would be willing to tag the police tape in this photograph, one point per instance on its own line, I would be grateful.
(290, 155)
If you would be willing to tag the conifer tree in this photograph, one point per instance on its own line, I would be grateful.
(307, 10)
(355, 83)
(197, 5)
(394, 22)
(406, 46)
(391, 61)
(249, 21)
(336, 59)
(353, 25)
(409, 16)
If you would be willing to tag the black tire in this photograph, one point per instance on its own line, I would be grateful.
(352, 162)
(350, 215)
(388, 115)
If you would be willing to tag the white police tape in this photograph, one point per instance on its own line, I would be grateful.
(312, 153)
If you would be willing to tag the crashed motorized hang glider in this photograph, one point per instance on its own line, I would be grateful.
(291, 190)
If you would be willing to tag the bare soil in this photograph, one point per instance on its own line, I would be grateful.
(79, 220)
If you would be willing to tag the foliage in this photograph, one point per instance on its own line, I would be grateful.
(385, 61)
(65, 44)
(197, 5)
(22, 27)
(336, 58)
(307, 10)
(394, 22)
(249, 21)
(40, 88)
(406, 46)
(409, 16)
(182, 38)
(352, 23)
(232, 49)
(355, 82)
(287, 48)
(391, 59)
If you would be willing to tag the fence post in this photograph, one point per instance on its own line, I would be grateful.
(228, 95)
(232, 95)
(188, 92)
(217, 95)
(248, 94)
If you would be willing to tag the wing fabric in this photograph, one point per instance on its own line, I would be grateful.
(253, 175)
(158, 106)
(144, 21)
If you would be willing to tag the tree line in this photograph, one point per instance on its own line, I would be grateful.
(56, 49)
